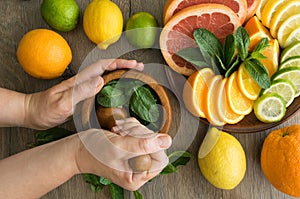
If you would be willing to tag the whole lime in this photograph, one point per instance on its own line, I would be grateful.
(61, 15)
(141, 30)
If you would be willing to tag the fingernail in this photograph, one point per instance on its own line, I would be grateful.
(99, 81)
(119, 122)
(164, 141)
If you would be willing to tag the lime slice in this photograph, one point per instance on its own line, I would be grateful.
(293, 36)
(284, 88)
(290, 62)
(286, 28)
(269, 108)
(209, 142)
(290, 51)
(286, 10)
(292, 74)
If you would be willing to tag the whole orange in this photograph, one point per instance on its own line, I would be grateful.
(44, 54)
(280, 159)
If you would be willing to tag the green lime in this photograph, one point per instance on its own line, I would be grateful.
(292, 61)
(141, 30)
(290, 51)
(269, 108)
(292, 74)
(61, 15)
(284, 88)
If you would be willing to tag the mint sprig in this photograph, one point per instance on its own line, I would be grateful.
(226, 59)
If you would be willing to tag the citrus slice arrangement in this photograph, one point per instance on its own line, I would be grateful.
(228, 94)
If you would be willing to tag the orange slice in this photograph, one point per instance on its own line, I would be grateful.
(256, 32)
(239, 103)
(272, 53)
(195, 91)
(178, 32)
(174, 6)
(211, 109)
(247, 84)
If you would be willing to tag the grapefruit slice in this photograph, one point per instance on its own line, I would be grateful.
(252, 6)
(178, 32)
(174, 6)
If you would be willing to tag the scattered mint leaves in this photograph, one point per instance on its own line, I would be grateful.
(116, 191)
(177, 158)
(258, 72)
(138, 195)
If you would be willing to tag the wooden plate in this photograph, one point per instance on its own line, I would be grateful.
(250, 124)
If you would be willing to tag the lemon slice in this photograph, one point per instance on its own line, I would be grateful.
(286, 28)
(284, 88)
(247, 84)
(260, 7)
(209, 141)
(269, 108)
(286, 10)
(293, 36)
(290, 62)
(290, 51)
(268, 11)
(292, 74)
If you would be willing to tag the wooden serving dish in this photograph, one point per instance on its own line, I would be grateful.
(88, 116)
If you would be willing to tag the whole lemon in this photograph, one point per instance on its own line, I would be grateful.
(61, 15)
(103, 22)
(222, 159)
(44, 54)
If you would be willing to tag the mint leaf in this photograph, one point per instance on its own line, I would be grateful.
(138, 195)
(257, 55)
(143, 104)
(111, 95)
(263, 44)
(94, 182)
(229, 50)
(179, 158)
(259, 73)
(104, 181)
(193, 56)
(168, 169)
(242, 42)
(116, 191)
(233, 67)
(49, 135)
(210, 47)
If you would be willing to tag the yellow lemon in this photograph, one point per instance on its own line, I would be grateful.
(103, 22)
(222, 159)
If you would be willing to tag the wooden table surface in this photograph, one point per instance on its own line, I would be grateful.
(19, 16)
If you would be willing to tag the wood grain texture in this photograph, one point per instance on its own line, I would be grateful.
(19, 16)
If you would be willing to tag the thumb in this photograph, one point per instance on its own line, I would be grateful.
(86, 89)
(149, 143)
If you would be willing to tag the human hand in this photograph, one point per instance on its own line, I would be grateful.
(107, 153)
(54, 106)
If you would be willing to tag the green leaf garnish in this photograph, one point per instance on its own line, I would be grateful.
(262, 45)
(242, 42)
(193, 56)
(229, 49)
(258, 72)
